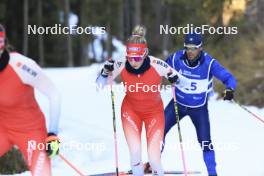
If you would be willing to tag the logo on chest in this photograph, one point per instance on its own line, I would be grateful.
(189, 73)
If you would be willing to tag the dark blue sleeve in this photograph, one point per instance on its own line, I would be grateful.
(169, 60)
(222, 74)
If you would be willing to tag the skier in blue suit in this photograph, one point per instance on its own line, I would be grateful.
(200, 68)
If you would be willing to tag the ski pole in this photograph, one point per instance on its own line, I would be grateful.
(71, 165)
(246, 109)
(179, 130)
(114, 125)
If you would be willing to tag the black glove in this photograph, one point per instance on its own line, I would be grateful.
(52, 143)
(228, 94)
(108, 67)
(172, 78)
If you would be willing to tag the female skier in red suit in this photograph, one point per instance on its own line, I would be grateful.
(142, 75)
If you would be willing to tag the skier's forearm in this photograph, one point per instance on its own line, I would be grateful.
(45, 86)
(224, 75)
(230, 82)
(54, 106)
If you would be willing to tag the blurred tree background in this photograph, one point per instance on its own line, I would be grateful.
(242, 54)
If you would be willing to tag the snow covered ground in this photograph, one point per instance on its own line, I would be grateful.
(86, 131)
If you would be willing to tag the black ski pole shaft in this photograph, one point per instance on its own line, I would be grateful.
(114, 126)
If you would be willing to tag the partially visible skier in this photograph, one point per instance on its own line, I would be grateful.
(21, 121)
(142, 75)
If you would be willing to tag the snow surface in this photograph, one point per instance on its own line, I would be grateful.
(87, 119)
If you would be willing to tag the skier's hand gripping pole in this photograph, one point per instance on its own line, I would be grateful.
(53, 144)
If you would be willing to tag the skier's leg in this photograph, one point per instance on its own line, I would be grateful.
(132, 126)
(154, 125)
(5, 144)
(200, 119)
(170, 118)
(32, 146)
